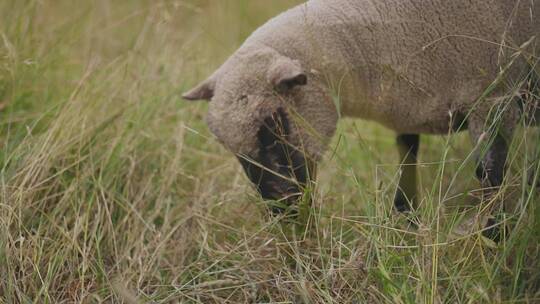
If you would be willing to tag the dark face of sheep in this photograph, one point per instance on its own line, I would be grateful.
(270, 123)
(279, 170)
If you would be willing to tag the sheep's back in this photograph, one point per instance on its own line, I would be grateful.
(409, 63)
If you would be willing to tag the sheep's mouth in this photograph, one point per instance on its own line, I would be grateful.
(279, 171)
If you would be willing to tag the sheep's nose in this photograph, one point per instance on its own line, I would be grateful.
(285, 194)
(282, 184)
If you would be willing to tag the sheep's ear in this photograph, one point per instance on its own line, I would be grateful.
(286, 74)
(204, 91)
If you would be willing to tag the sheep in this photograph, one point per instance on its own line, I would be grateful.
(416, 67)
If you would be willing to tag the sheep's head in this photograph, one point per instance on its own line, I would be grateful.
(273, 115)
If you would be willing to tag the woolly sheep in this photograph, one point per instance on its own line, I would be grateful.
(417, 67)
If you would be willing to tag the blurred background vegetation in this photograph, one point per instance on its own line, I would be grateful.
(112, 189)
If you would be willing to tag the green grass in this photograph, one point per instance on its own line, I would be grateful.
(112, 188)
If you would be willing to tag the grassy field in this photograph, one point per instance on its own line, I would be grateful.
(112, 189)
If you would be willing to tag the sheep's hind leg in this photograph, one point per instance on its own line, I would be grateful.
(492, 144)
(406, 196)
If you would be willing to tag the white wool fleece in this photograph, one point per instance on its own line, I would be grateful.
(409, 64)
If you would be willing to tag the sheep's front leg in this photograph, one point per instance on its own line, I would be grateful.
(405, 198)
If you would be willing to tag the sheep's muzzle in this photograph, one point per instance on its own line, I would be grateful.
(279, 171)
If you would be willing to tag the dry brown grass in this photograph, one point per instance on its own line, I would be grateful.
(113, 190)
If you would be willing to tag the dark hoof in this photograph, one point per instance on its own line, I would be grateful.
(401, 204)
(495, 230)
